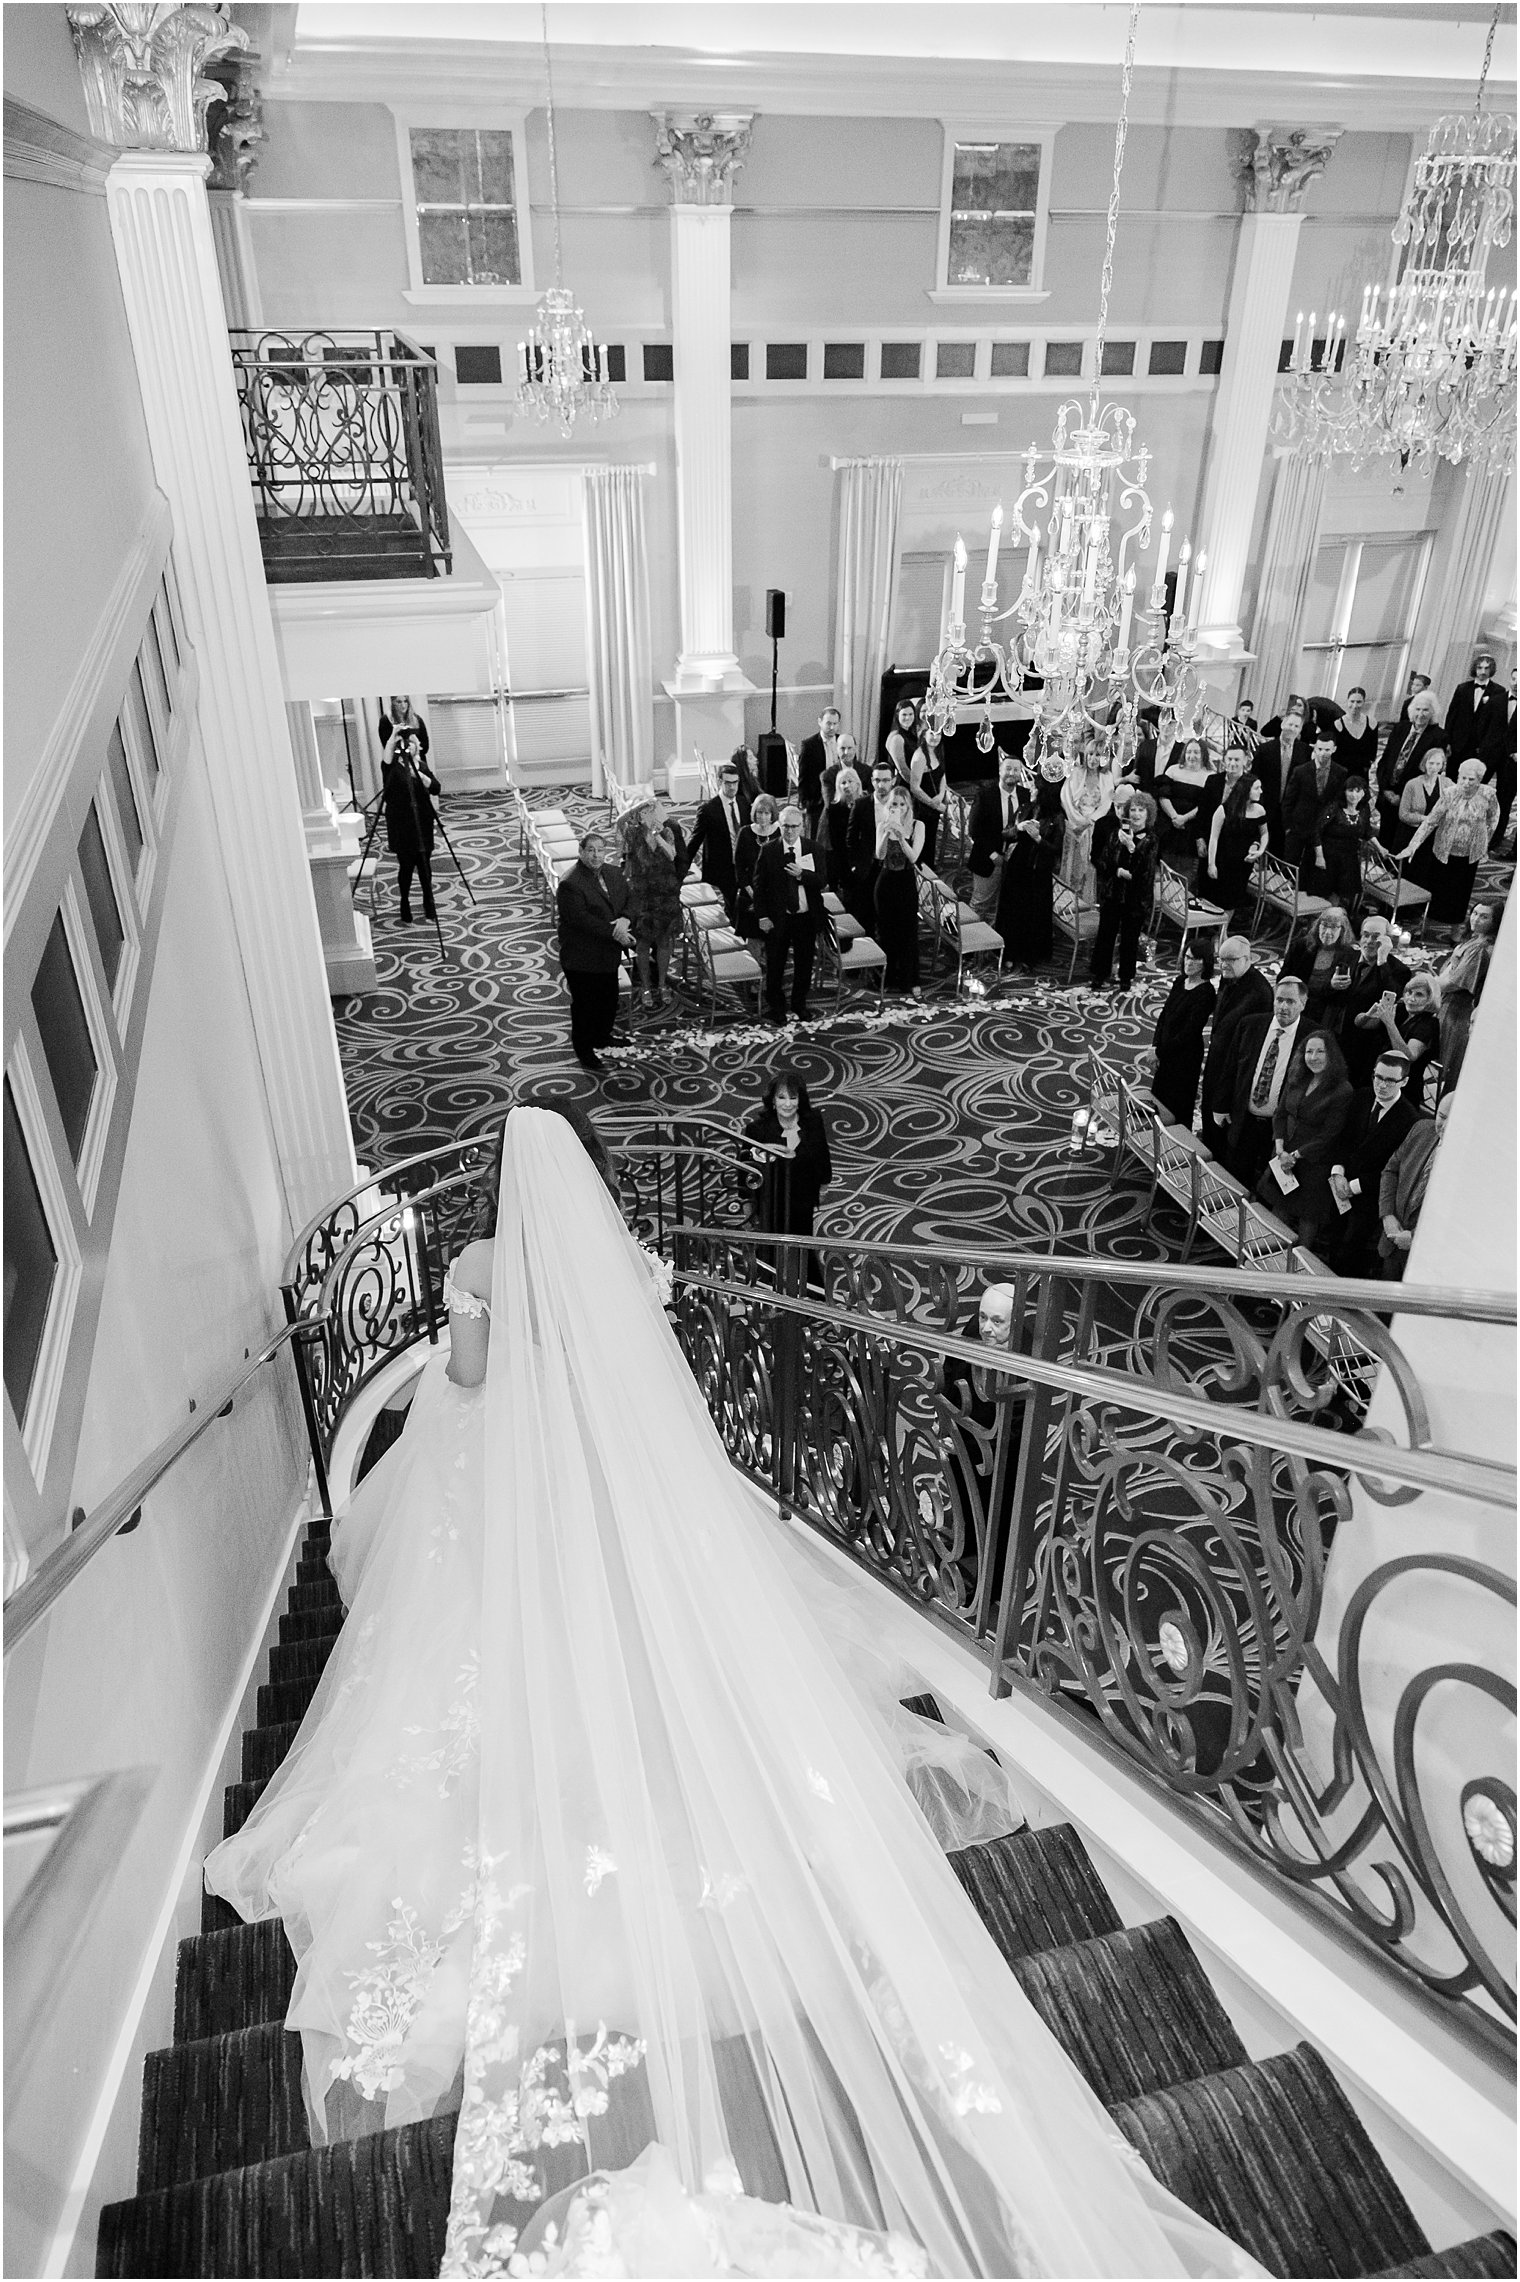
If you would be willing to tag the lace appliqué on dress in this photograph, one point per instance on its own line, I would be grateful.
(460, 1730)
(461, 1301)
(385, 2004)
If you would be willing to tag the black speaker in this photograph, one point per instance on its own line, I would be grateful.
(771, 755)
(775, 614)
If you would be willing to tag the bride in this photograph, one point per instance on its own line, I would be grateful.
(605, 1827)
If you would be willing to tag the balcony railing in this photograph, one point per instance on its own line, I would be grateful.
(341, 432)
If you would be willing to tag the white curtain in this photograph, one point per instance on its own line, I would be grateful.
(870, 504)
(1298, 496)
(620, 652)
(1449, 632)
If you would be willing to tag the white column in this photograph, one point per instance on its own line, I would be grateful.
(700, 157)
(162, 229)
(234, 259)
(315, 813)
(1279, 167)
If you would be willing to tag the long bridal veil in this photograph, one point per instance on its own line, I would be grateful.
(696, 1861)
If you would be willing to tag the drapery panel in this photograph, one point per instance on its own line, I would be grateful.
(1449, 634)
(1298, 496)
(620, 653)
(870, 506)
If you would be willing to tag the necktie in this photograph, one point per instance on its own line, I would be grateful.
(1008, 812)
(1261, 1090)
(733, 822)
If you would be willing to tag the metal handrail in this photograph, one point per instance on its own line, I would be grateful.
(29, 1605)
(1482, 1481)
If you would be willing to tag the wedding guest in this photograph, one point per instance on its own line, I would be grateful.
(901, 743)
(1403, 1188)
(1087, 795)
(1378, 1121)
(408, 786)
(654, 858)
(1411, 1025)
(1243, 733)
(1418, 683)
(1460, 831)
(983, 1399)
(1261, 1058)
(1475, 718)
(990, 827)
(1345, 835)
(846, 756)
(591, 907)
(1504, 776)
(1324, 958)
(1307, 1125)
(762, 826)
(1237, 838)
(1356, 737)
(867, 824)
(790, 913)
(930, 795)
(1423, 791)
(818, 752)
(1401, 756)
(715, 839)
(1377, 979)
(791, 1184)
(899, 849)
(1175, 1059)
(1024, 914)
(749, 772)
(1276, 759)
(399, 713)
(1125, 877)
(1182, 787)
(834, 833)
(1315, 785)
(1461, 981)
(1243, 992)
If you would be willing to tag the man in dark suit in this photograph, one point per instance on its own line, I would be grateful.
(1418, 684)
(1314, 785)
(593, 935)
(991, 824)
(1379, 1120)
(1276, 759)
(408, 786)
(1504, 779)
(1259, 1061)
(865, 818)
(1243, 992)
(790, 909)
(1376, 975)
(817, 753)
(1475, 718)
(715, 835)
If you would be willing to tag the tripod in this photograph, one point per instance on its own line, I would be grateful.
(412, 789)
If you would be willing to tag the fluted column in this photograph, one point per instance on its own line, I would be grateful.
(234, 131)
(1278, 166)
(162, 229)
(700, 155)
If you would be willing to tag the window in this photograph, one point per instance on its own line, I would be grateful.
(1063, 360)
(1211, 357)
(31, 1263)
(142, 720)
(100, 895)
(1010, 360)
(993, 203)
(1168, 356)
(900, 360)
(617, 361)
(126, 797)
(659, 361)
(466, 202)
(1119, 357)
(738, 360)
(786, 360)
(478, 367)
(844, 360)
(954, 360)
(65, 1031)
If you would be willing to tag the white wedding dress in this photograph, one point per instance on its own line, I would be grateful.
(604, 1780)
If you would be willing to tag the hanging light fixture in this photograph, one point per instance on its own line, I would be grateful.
(1075, 624)
(1433, 371)
(562, 371)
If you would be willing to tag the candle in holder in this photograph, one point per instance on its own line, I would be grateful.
(1163, 551)
(1080, 1121)
(958, 585)
(1125, 609)
(992, 545)
(1195, 612)
(1183, 560)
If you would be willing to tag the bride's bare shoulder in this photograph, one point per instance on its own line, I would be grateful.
(472, 1270)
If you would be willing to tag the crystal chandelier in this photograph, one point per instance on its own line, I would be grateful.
(1433, 372)
(1075, 625)
(562, 371)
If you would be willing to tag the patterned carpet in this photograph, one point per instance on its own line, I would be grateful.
(947, 1121)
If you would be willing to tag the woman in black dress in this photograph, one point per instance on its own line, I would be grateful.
(1024, 914)
(1177, 1044)
(1184, 792)
(1345, 830)
(791, 1184)
(763, 825)
(899, 848)
(928, 776)
(1237, 837)
(1324, 959)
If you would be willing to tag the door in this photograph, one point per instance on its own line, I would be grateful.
(1359, 616)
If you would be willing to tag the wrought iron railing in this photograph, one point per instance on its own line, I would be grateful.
(1129, 1512)
(344, 454)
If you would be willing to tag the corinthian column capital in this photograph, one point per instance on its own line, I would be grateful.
(1279, 163)
(235, 121)
(701, 152)
(142, 65)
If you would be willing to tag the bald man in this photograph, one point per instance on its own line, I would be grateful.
(1241, 991)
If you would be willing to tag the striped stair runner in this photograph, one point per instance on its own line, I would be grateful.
(228, 2183)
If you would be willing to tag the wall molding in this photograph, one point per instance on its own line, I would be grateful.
(126, 610)
(40, 149)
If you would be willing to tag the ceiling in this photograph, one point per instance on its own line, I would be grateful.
(1387, 63)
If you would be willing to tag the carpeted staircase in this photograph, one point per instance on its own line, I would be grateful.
(228, 2184)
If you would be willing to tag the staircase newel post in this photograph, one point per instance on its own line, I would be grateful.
(1031, 1505)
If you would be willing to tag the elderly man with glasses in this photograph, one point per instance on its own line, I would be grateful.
(1241, 991)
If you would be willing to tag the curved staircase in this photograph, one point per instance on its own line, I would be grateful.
(228, 2183)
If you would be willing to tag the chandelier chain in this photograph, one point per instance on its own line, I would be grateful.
(553, 153)
(1121, 132)
(1488, 57)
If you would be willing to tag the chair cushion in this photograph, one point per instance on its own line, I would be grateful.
(976, 935)
(861, 953)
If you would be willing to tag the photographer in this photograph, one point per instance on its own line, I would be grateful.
(407, 788)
